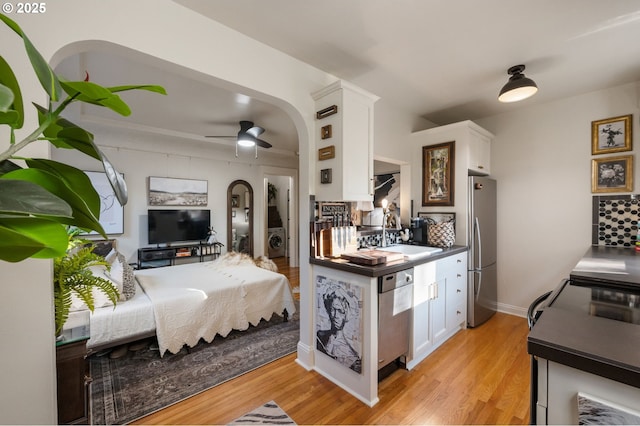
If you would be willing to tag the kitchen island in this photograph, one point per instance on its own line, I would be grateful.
(438, 310)
(587, 339)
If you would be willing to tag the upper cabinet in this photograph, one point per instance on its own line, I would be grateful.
(472, 144)
(479, 150)
(472, 153)
(344, 143)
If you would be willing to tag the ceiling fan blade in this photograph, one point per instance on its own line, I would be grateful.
(245, 125)
(255, 131)
(221, 136)
(263, 144)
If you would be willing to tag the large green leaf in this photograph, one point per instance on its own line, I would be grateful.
(24, 237)
(6, 166)
(116, 180)
(83, 216)
(62, 133)
(149, 87)
(10, 103)
(45, 74)
(73, 178)
(27, 198)
(89, 92)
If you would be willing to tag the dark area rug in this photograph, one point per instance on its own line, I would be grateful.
(140, 382)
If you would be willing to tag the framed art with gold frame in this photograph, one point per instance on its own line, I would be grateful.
(438, 162)
(612, 174)
(611, 135)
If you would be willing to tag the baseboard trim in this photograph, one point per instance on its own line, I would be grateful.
(512, 310)
(305, 356)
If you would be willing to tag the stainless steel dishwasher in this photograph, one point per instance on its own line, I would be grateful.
(395, 308)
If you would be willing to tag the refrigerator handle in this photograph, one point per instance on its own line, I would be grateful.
(479, 281)
(479, 265)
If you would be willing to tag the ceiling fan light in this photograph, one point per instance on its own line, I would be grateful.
(244, 141)
(518, 87)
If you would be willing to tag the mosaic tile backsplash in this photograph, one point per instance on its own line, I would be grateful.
(615, 220)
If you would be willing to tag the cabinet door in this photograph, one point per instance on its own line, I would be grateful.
(479, 153)
(423, 280)
(438, 307)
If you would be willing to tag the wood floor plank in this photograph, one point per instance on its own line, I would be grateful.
(480, 376)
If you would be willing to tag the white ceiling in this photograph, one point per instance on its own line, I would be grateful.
(444, 60)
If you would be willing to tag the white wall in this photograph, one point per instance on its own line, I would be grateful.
(138, 155)
(541, 158)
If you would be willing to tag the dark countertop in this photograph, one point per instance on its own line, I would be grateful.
(619, 266)
(596, 345)
(387, 268)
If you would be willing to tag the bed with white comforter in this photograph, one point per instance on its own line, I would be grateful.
(185, 303)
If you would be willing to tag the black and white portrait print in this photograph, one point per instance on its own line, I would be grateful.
(339, 326)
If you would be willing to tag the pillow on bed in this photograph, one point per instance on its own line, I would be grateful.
(99, 298)
(122, 274)
(111, 256)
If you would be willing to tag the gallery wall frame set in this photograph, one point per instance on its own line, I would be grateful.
(165, 191)
(611, 135)
(612, 174)
(438, 163)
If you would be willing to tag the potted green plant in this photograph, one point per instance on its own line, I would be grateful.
(39, 198)
(72, 274)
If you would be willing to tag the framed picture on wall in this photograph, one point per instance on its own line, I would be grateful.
(612, 174)
(235, 200)
(111, 211)
(165, 191)
(438, 162)
(611, 135)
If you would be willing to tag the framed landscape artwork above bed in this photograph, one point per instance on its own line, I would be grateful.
(164, 191)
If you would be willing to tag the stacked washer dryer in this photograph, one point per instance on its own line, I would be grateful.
(277, 241)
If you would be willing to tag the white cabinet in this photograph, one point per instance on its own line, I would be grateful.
(558, 388)
(440, 291)
(454, 268)
(344, 141)
(472, 152)
(479, 152)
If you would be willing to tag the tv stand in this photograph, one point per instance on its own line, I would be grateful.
(154, 257)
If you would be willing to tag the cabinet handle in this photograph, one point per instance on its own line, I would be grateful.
(458, 291)
(459, 275)
(480, 167)
(459, 260)
(458, 312)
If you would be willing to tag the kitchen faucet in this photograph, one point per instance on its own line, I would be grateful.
(385, 213)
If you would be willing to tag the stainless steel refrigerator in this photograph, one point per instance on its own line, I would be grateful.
(482, 265)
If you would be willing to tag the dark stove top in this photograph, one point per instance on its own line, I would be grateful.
(620, 304)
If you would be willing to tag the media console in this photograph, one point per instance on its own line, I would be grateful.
(154, 257)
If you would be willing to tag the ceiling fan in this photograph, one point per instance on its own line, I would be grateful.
(247, 136)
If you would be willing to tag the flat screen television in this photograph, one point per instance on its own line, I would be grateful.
(167, 226)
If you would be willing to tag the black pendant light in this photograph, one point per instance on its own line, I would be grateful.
(518, 87)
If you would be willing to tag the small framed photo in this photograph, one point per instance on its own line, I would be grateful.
(235, 200)
(612, 174)
(611, 135)
(438, 162)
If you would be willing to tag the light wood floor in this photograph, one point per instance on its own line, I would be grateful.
(480, 376)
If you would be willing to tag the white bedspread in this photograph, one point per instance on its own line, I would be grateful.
(130, 318)
(200, 300)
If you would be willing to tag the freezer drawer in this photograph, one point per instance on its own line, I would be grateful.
(482, 295)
